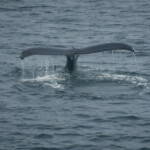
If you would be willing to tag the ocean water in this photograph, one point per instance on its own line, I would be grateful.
(103, 105)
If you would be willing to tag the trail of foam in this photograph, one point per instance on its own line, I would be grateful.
(136, 80)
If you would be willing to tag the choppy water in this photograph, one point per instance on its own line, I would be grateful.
(104, 104)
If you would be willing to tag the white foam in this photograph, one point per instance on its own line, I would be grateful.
(139, 81)
(55, 85)
(48, 80)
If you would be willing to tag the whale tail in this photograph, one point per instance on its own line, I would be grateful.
(72, 54)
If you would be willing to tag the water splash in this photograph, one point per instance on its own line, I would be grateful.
(43, 73)
(22, 69)
(110, 67)
(48, 80)
(135, 60)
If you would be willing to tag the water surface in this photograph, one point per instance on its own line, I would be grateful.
(104, 104)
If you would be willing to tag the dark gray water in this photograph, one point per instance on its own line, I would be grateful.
(103, 105)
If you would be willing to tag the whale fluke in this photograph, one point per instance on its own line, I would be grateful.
(104, 47)
(45, 51)
(72, 54)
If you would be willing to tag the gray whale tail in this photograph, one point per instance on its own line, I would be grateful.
(72, 54)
